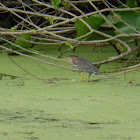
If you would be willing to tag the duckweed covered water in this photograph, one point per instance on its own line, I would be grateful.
(65, 109)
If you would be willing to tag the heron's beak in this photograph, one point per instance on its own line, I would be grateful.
(67, 58)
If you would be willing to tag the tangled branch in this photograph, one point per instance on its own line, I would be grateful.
(49, 24)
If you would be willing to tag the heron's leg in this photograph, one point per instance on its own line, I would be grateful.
(89, 76)
(81, 77)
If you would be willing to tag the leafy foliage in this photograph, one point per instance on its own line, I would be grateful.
(55, 3)
(21, 42)
(129, 19)
(94, 21)
(126, 21)
(131, 3)
(69, 44)
(14, 28)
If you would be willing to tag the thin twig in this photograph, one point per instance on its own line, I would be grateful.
(29, 72)
(109, 77)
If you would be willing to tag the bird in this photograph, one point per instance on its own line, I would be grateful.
(83, 65)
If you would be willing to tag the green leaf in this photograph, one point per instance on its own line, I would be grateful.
(67, 4)
(131, 3)
(94, 21)
(133, 19)
(23, 43)
(130, 17)
(34, 31)
(14, 28)
(125, 29)
(51, 20)
(55, 3)
(69, 44)
(114, 19)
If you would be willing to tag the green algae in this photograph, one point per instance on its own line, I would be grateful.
(65, 109)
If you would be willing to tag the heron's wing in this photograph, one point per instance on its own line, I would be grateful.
(85, 66)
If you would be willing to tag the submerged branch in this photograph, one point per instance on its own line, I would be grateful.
(124, 72)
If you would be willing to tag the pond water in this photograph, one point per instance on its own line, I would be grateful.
(66, 109)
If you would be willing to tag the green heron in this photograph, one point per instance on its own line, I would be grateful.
(83, 65)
